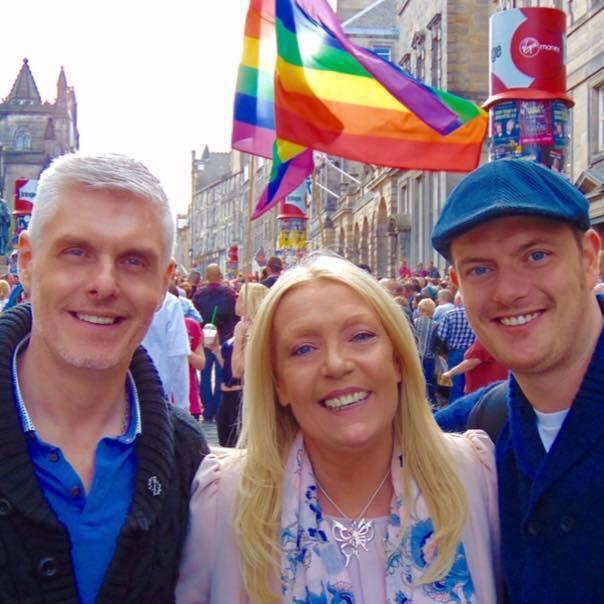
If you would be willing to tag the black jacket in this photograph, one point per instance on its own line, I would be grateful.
(35, 550)
(221, 298)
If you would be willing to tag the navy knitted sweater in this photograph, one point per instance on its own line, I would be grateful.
(35, 550)
(552, 524)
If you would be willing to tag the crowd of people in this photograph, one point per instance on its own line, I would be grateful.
(453, 361)
(344, 474)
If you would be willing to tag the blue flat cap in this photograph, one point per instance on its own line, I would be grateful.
(508, 187)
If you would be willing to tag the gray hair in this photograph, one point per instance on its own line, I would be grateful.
(97, 172)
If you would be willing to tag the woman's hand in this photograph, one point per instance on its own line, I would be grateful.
(214, 345)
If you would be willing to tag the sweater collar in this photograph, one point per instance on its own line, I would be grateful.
(154, 447)
(133, 429)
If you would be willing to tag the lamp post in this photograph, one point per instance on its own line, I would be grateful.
(291, 243)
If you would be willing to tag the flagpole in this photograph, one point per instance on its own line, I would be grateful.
(250, 209)
(317, 193)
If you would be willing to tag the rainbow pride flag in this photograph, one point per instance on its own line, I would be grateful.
(291, 165)
(336, 97)
(254, 111)
(303, 85)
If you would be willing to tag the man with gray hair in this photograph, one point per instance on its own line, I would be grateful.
(97, 465)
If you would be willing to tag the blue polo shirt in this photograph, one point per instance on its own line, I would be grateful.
(94, 519)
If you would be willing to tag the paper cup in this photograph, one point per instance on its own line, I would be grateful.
(209, 333)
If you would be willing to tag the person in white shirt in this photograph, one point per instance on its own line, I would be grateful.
(167, 343)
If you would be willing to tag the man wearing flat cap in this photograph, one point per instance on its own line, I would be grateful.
(523, 254)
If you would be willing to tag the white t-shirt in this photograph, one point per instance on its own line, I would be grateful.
(548, 425)
(167, 342)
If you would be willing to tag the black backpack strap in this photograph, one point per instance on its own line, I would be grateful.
(491, 412)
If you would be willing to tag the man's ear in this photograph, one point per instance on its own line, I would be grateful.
(25, 259)
(167, 276)
(591, 256)
(454, 277)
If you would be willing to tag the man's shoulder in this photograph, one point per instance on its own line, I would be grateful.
(454, 417)
(425, 322)
(171, 308)
(269, 281)
(450, 314)
(188, 432)
(185, 423)
(17, 317)
(202, 290)
(213, 289)
(171, 300)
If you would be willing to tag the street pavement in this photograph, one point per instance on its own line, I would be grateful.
(209, 429)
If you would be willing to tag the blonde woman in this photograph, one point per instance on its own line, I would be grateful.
(345, 489)
(231, 359)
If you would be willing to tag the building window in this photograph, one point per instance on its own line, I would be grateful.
(406, 62)
(384, 52)
(403, 200)
(22, 139)
(419, 46)
(435, 51)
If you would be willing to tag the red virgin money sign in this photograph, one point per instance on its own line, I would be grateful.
(528, 55)
(25, 195)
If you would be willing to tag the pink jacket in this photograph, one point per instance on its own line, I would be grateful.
(209, 572)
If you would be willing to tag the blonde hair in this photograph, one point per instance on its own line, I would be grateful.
(426, 306)
(4, 289)
(252, 295)
(269, 429)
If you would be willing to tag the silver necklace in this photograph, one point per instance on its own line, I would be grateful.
(360, 532)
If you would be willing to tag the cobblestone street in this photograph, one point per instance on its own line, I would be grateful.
(209, 429)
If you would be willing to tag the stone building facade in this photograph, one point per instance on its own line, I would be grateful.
(389, 216)
(218, 217)
(215, 219)
(585, 82)
(32, 131)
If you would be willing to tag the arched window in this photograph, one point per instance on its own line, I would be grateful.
(22, 139)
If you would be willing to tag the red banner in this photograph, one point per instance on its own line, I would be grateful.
(25, 195)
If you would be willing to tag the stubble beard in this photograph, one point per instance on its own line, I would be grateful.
(556, 351)
(54, 346)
